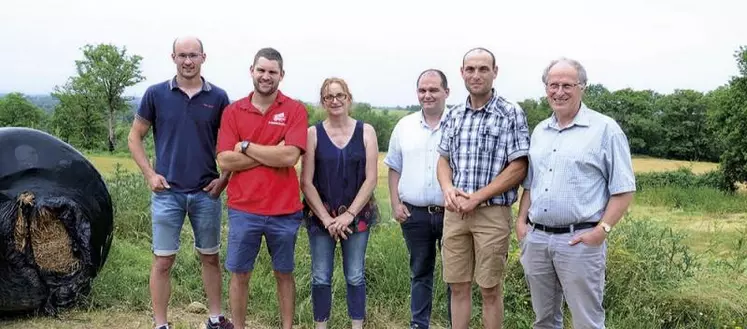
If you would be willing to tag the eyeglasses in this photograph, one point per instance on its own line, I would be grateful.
(339, 97)
(192, 57)
(565, 86)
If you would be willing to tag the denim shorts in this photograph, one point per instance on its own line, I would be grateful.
(245, 231)
(168, 210)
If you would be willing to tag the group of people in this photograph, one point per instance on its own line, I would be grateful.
(453, 176)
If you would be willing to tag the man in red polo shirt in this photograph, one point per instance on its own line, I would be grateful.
(261, 138)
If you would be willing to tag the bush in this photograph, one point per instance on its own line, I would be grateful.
(683, 178)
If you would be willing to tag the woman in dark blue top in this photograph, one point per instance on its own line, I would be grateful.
(338, 179)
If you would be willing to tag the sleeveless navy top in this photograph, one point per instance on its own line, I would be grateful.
(338, 176)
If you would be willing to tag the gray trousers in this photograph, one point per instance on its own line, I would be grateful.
(556, 271)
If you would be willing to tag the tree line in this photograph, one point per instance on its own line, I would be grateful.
(93, 115)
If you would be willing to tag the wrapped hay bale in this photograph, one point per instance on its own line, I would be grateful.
(56, 222)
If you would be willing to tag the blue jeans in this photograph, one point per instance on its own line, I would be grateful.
(322, 263)
(422, 232)
(168, 210)
(245, 231)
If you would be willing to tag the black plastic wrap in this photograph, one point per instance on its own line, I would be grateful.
(54, 200)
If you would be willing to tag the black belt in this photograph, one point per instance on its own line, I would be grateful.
(431, 209)
(562, 229)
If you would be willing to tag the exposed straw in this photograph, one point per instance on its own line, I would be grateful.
(51, 243)
(25, 199)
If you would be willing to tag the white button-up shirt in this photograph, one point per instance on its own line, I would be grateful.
(413, 153)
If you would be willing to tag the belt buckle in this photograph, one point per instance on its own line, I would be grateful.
(433, 209)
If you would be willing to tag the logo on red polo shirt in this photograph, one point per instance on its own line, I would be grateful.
(278, 119)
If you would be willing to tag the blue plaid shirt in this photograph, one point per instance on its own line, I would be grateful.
(480, 143)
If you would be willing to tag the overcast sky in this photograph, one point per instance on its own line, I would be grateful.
(381, 46)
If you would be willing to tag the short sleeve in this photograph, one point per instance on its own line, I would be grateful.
(147, 109)
(619, 163)
(393, 157)
(517, 144)
(527, 183)
(447, 136)
(297, 132)
(223, 103)
(228, 134)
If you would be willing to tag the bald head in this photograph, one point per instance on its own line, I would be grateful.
(479, 51)
(186, 40)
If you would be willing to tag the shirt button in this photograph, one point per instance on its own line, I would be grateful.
(545, 210)
(545, 190)
(554, 150)
(550, 169)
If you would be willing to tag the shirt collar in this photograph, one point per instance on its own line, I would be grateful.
(247, 104)
(424, 124)
(581, 119)
(490, 106)
(205, 85)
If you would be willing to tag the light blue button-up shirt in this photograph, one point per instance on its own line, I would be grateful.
(574, 170)
(413, 153)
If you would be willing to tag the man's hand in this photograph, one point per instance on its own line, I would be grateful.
(592, 238)
(450, 198)
(521, 229)
(401, 214)
(467, 204)
(216, 186)
(237, 147)
(157, 183)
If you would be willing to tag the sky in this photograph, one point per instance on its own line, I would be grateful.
(380, 47)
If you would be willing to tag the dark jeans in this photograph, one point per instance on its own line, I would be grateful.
(422, 232)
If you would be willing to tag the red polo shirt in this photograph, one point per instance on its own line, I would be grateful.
(264, 190)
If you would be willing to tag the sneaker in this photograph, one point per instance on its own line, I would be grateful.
(223, 323)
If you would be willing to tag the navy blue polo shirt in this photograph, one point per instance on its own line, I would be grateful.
(185, 132)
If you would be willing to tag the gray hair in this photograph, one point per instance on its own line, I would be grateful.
(580, 70)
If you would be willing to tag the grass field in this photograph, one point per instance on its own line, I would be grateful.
(120, 298)
(106, 164)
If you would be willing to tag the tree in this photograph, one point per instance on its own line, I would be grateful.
(535, 111)
(731, 119)
(634, 111)
(594, 94)
(104, 73)
(17, 111)
(684, 123)
(78, 118)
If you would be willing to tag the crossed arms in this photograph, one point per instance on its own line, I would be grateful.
(278, 156)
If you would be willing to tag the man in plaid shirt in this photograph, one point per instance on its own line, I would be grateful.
(483, 150)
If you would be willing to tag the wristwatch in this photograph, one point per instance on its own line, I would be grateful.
(244, 145)
(607, 228)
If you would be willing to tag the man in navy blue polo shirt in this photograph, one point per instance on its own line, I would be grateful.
(185, 113)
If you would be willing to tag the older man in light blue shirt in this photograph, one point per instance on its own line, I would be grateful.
(579, 184)
(415, 194)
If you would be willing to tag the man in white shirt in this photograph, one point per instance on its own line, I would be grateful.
(416, 197)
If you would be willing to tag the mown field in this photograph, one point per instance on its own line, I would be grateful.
(677, 260)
